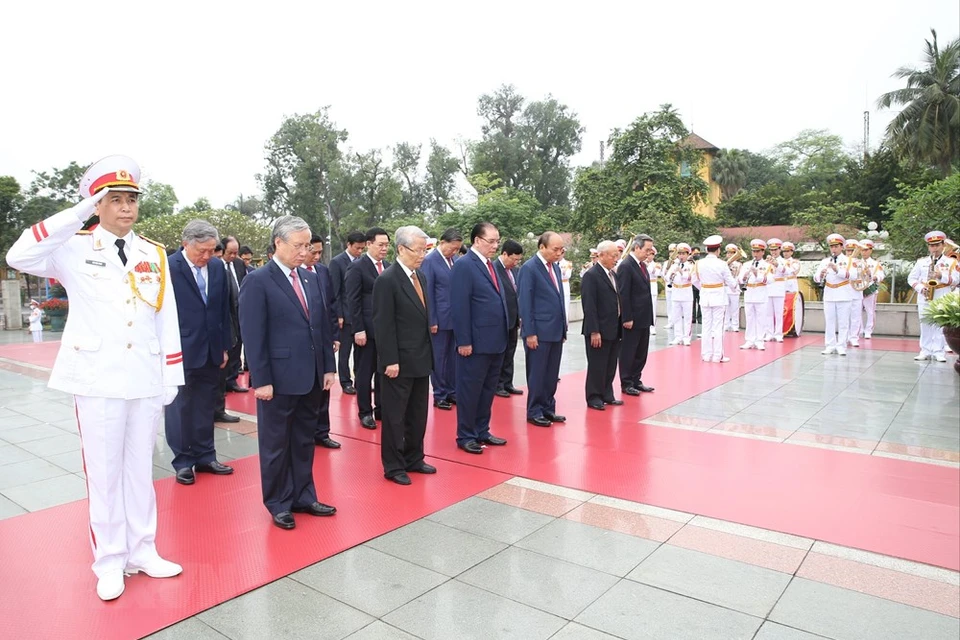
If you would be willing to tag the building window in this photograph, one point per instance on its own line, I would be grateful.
(685, 169)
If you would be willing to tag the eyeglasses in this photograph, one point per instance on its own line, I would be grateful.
(299, 247)
(491, 241)
(418, 252)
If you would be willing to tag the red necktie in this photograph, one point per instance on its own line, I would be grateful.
(299, 292)
(310, 269)
(450, 262)
(379, 267)
(553, 277)
(646, 274)
(493, 276)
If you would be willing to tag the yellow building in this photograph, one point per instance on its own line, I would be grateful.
(709, 152)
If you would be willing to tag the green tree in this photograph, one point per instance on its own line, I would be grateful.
(923, 209)
(927, 129)
(62, 184)
(158, 199)
(304, 174)
(168, 230)
(440, 184)
(378, 194)
(514, 212)
(729, 170)
(11, 222)
(406, 162)
(762, 170)
(770, 204)
(824, 214)
(878, 177)
(815, 157)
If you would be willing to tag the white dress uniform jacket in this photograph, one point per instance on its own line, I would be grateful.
(836, 283)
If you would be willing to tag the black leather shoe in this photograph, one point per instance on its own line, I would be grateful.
(328, 443)
(614, 402)
(350, 390)
(442, 404)
(237, 388)
(367, 422)
(284, 520)
(185, 476)
(225, 417)
(471, 446)
(593, 404)
(553, 417)
(317, 509)
(494, 441)
(514, 391)
(631, 391)
(644, 388)
(502, 393)
(422, 467)
(540, 422)
(400, 478)
(215, 468)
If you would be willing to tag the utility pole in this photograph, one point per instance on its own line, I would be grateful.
(866, 135)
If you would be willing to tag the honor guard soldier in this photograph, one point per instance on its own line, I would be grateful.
(874, 274)
(668, 288)
(732, 315)
(776, 290)
(755, 276)
(680, 277)
(654, 269)
(834, 272)
(119, 356)
(931, 277)
(851, 248)
(712, 276)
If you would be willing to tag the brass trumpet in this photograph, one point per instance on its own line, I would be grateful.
(742, 255)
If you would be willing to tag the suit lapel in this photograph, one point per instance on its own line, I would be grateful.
(188, 274)
(411, 292)
(286, 286)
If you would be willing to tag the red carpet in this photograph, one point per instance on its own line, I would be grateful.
(220, 532)
(42, 354)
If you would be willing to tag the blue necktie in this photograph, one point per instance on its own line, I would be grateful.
(202, 284)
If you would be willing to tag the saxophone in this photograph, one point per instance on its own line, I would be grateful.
(932, 280)
(862, 282)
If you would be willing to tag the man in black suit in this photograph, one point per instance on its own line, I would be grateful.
(356, 242)
(359, 314)
(636, 306)
(203, 305)
(601, 326)
(401, 322)
(237, 272)
(312, 264)
(510, 255)
(246, 255)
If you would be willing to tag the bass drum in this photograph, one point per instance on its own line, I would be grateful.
(793, 314)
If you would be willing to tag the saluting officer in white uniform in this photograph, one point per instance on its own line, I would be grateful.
(712, 276)
(755, 276)
(119, 356)
(834, 272)
(931, 277)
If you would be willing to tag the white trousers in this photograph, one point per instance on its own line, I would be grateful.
(732, 316)
(756, 323)
(682, 319)
(774, 317)
(37, 335)
(117, 439)
(836, 319)
(653, 302)
(856, 318)
(870, 307)
(711, 344)
(669, 297)
(932, 342)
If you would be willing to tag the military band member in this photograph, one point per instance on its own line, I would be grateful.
(668, 289)
(731, 318)
(931, 277)
(712, 276)
(653, 268)
(120, 357)
(851, 249)
(791, 266)
(680, 276)
(755, 276)
(834, 272)
(776, 289)
(873, 272)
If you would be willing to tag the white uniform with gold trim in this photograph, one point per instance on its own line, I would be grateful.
(776, 290)
(837, 297)
(875, 273)
(947, 276)
(731, 317)
(755, 275)
(681, 275)
(712, 276)
(121, 357)
(653, 270)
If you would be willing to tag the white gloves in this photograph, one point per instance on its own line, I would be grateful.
(170, 394)
(89, 205)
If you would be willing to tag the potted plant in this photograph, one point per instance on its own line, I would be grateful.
(945, 312)
(56, 309)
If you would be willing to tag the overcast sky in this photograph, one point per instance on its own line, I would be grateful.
(192, 90)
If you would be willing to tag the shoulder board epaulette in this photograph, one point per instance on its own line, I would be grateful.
(153, 242)
(84, 232)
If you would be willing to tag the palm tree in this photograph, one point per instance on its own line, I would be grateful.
(927, 130)
(729, 170)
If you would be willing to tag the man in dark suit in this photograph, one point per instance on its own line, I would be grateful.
(402, 322)
(237, 272)
(359, 309)
(633, 281)
(437, 267)
(543, 326)
(312, 264)
(510, 255)
(356, 242)
(203, 299)
(601, 326)
(480, 329)
(286, 323)
(246, 255)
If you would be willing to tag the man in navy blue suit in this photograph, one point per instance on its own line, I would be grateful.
(543, 327)
(312, 264)
(286, 331)
(437, 267)
(510, 255)
(480, 330)
(356, 242)
(203, 304)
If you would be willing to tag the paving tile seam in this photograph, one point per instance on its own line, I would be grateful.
(347, 604)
